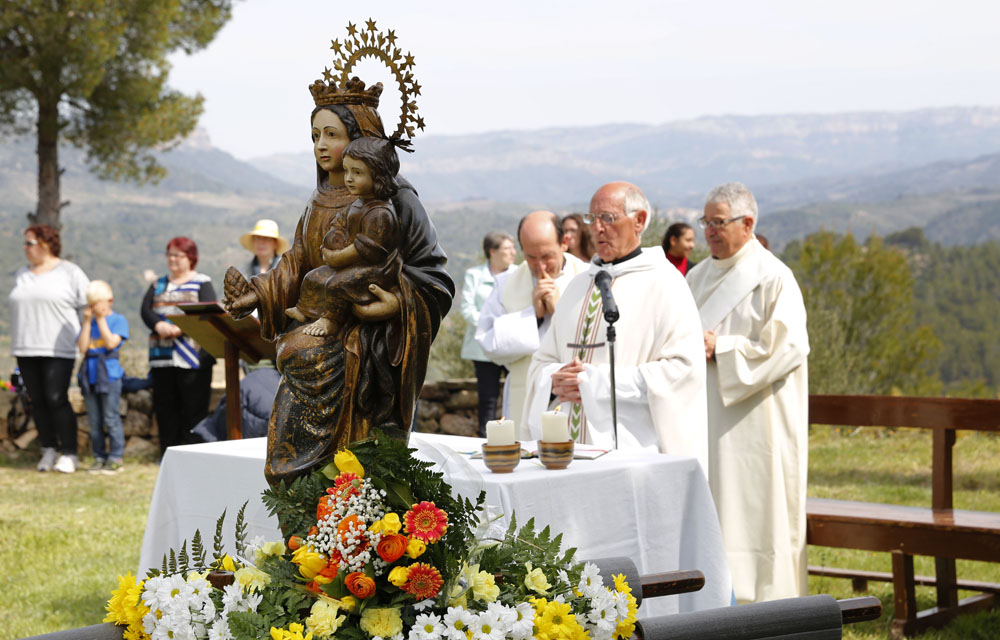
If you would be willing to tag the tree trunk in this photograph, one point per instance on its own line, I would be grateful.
(48, 163)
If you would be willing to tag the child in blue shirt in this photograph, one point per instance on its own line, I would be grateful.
(100, 375)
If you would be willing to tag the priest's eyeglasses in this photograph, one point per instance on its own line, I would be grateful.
(717, 224)
(605, 218)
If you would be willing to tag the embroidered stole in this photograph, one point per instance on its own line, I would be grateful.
(586, 333)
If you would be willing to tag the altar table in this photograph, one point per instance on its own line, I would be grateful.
(653, 508)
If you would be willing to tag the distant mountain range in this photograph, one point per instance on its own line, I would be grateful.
(938, 169)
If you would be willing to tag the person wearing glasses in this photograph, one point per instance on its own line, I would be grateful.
(519, 311)
(756, 346)
(659, 354)
(45, 306)
(182, 371)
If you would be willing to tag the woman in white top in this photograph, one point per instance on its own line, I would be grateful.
(45, 308)
(479, 281)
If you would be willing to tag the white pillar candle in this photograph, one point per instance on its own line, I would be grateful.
(555, 426)
(500, 432)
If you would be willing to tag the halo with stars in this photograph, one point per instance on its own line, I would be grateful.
(369, 42)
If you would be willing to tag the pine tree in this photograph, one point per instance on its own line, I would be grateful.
(93, 73)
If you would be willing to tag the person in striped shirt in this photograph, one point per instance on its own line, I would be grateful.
(182, 370)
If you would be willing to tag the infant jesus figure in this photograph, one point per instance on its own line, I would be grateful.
(362, 246)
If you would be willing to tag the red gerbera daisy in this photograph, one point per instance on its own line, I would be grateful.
(423, 582)
(343, 486)
(426, 522)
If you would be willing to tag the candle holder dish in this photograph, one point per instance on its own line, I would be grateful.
(555, 455)
(501, 458)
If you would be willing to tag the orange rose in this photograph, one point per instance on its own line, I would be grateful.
(360, 585)
(295, 542)
(392, 548)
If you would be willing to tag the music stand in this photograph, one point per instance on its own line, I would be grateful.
(223, 337)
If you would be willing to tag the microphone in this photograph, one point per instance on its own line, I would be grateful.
(603, 282)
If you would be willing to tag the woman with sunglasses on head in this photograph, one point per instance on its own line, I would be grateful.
(45, 302)
(182, 370)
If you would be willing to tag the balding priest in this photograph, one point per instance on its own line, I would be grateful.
(519, 310)
(758, 415)
(659, 351)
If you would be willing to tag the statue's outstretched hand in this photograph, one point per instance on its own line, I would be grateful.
(240, 299)
(387, 306)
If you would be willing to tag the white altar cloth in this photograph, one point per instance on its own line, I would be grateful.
(653, 508)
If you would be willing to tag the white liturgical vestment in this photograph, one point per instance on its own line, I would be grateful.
(659, 360)
(758, 418)
(509, 332)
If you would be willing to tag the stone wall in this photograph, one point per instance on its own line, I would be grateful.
(448, 407)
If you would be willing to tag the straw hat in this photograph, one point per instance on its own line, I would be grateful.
(266, 229)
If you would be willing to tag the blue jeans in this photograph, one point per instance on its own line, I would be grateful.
(102, 413)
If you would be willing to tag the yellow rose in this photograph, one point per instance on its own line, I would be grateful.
(399, 575)
(346, 461)
(347, 603)
(383, 622)
(252, 579)
(535, 580)
(310, 563)
(323, 620)
(484, 587)
(415, 548)
(391, 524)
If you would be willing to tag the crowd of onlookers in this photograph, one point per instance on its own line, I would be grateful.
(58, 312)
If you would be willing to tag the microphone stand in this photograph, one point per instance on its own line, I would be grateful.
(611, 353)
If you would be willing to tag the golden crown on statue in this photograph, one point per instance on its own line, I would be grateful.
(370, 43)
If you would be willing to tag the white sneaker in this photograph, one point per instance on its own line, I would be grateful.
(66, 464)
(49, 455)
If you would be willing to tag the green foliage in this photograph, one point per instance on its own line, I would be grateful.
(957, 293)
(241, 531)
(295, 504)
(526, 547)
(446, 353)
(863, 333)
(94, 73)
(218, 548)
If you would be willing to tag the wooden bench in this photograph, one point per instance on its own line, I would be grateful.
(940, 531)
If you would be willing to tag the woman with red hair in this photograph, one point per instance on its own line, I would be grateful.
(182, 371)
(44, 306)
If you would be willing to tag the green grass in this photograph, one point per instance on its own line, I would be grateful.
(64, 538)
(877, 465)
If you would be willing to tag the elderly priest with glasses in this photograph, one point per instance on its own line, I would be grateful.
(659, 352)
(755, 347)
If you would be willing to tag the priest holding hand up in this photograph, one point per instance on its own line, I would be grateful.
(659, 353)
(758, 414)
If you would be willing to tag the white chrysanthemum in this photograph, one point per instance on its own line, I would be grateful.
(427, 626)
(488, 627)
(508, 616)
(590, 580)
(456, 621)
(602, 618)
(621, 604)
(523, 628)
(563, 577)
(220, 630)
(423, 604)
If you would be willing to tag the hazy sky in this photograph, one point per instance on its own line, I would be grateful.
(523, 65)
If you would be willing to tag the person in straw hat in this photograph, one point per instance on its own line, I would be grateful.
(266, 245)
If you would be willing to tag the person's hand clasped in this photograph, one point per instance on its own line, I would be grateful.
(566, 383)
(166, 329)
(387, 306)
(709, 345)
(544, 295)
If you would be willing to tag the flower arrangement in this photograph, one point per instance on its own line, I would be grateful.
(375, 547)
